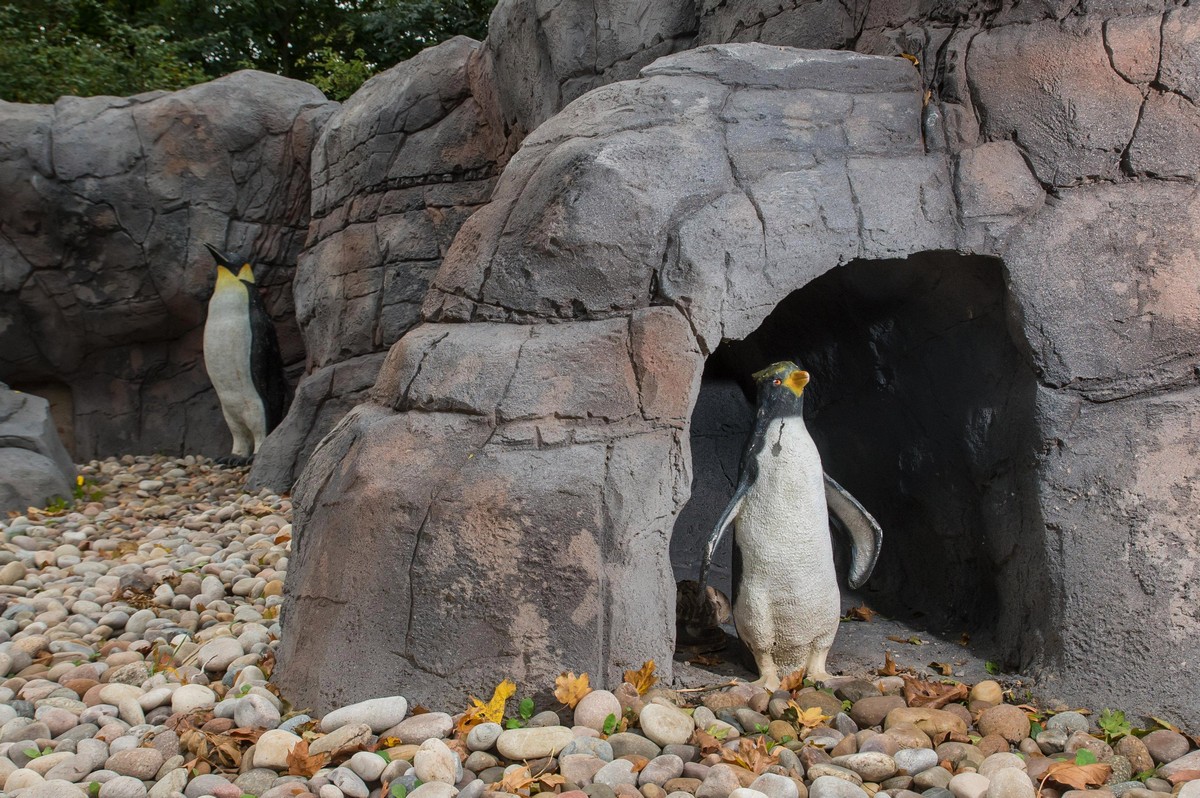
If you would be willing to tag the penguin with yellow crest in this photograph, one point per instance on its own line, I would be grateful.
(241, 355)
(786, 603)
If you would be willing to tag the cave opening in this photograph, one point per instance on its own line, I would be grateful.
(921, 404)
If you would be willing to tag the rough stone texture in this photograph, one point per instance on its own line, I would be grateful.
(34, 466)
(396, 171)
(547, 53)
(782, 166)
(551, 438)
(104, 280)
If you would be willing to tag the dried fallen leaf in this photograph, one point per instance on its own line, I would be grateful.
(964, 639)
(753, 756)
(570, 689)
(514, 781)
(387, 742)
(417, 709)
(911, 57)
(793, 681)
(705, 659)
(643, 678)
(1166, 724)
(1079, 777)
(491, 712)
(807, 718)
(705, 742)
(934, 695)
(912, 640)
(863, 613)
(301, 763)
(944, 668)
(889, 665)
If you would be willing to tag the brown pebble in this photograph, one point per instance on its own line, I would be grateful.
(218, 725)
(759, 702)
(1008, 721)
(871, 711)
(1029, 747)
(848, 745)
(80, 686)
(91, 696)
(993, 744)
(627, 791)
(652, 790)
(682, 785)
(1136, 752)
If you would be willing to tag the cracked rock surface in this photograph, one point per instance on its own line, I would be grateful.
(104, 279)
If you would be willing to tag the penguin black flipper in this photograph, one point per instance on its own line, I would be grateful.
(266, 363)
(747, 476)
(866, 536)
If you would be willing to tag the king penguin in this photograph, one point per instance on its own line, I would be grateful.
(786, 602)
(241, 355)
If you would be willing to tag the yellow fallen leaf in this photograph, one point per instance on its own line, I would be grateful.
(570, 689)
(808, 718)
(491, 712)
(643, 678)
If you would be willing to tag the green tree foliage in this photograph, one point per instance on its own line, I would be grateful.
(85, 47)
(53, 47)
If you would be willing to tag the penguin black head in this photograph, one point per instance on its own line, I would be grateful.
(781, 389)
(245, 272)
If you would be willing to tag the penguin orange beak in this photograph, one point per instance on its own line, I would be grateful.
(796, 381)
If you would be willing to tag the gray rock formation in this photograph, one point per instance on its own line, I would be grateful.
(103, 276)
(34, 466)
(563, 437)
(396, 171)
(1020, 418)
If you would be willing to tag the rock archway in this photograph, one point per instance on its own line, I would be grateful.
(922, 406)
(505, 500)
(512, 486)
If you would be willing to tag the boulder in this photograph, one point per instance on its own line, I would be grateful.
(34, 466)
(396, 171)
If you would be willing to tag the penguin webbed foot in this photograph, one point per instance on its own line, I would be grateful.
(235, 460)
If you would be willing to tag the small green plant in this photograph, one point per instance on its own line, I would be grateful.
(398, 790)
(787, 738)
(33, 753)
(992, 667)
(846, 705)
(1145, 774)
(93, 789)
(1114, 725)
(718, 732)
(610, 723)
(760, 728)
(525, 710)
(1085, 757)
(86, 490)
(57, 506)
(1035, 729)
(385, 756)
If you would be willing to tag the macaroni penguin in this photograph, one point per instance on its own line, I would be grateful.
(786, 601)
(241, 355)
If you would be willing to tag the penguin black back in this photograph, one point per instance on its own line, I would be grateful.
(266, 363)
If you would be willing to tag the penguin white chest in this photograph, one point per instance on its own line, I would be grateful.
(227, 347)
(788, 603)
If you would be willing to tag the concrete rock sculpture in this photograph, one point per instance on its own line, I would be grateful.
(34, 466)
(103, 276)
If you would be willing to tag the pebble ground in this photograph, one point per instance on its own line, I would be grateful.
(138, 636)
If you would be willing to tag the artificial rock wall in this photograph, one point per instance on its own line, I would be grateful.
(104, 279)
(517, 267)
